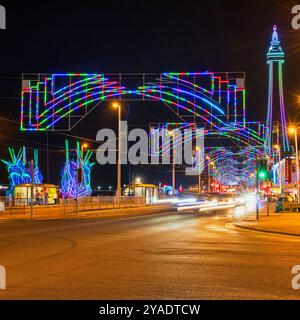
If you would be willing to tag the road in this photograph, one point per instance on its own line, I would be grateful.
(168, 255)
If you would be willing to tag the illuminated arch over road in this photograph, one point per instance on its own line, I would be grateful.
(60, 101)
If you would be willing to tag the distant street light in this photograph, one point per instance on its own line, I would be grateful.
(138, 180)
(83, 146)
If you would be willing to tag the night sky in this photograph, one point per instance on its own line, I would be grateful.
(145, 36)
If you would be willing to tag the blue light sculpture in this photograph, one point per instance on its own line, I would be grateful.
(20, 171)
(71, 187)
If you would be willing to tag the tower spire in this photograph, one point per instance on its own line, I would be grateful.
(275, 50)
(275, 58)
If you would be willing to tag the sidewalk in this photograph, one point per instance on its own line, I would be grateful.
(54, 215)
(281, 224)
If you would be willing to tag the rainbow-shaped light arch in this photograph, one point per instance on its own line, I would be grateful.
(47, 100)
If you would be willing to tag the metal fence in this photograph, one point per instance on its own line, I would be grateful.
(69, 206)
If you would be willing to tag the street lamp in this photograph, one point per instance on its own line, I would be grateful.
(171, 134)
(117, 105)
(293, 130)
(83, 146)
(278, 149)
(138, 180)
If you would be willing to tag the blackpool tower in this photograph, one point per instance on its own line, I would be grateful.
(275, 60)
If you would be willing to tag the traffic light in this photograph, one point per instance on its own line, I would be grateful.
(262, 170)
(262, 174)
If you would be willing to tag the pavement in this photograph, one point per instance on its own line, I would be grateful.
(287, 224)
(162, 255)
(54, 213)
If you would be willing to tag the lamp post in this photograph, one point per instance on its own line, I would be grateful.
(293, 130)
(83, 146)
(278, 149)
(117, 105)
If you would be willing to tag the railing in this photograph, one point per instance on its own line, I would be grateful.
(69, 206)
(99, 203)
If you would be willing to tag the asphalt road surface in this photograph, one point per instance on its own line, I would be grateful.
(168, 255)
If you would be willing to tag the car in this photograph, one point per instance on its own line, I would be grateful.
(281, 201)
(272, 198)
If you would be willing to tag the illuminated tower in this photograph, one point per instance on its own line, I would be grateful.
(275, 59)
